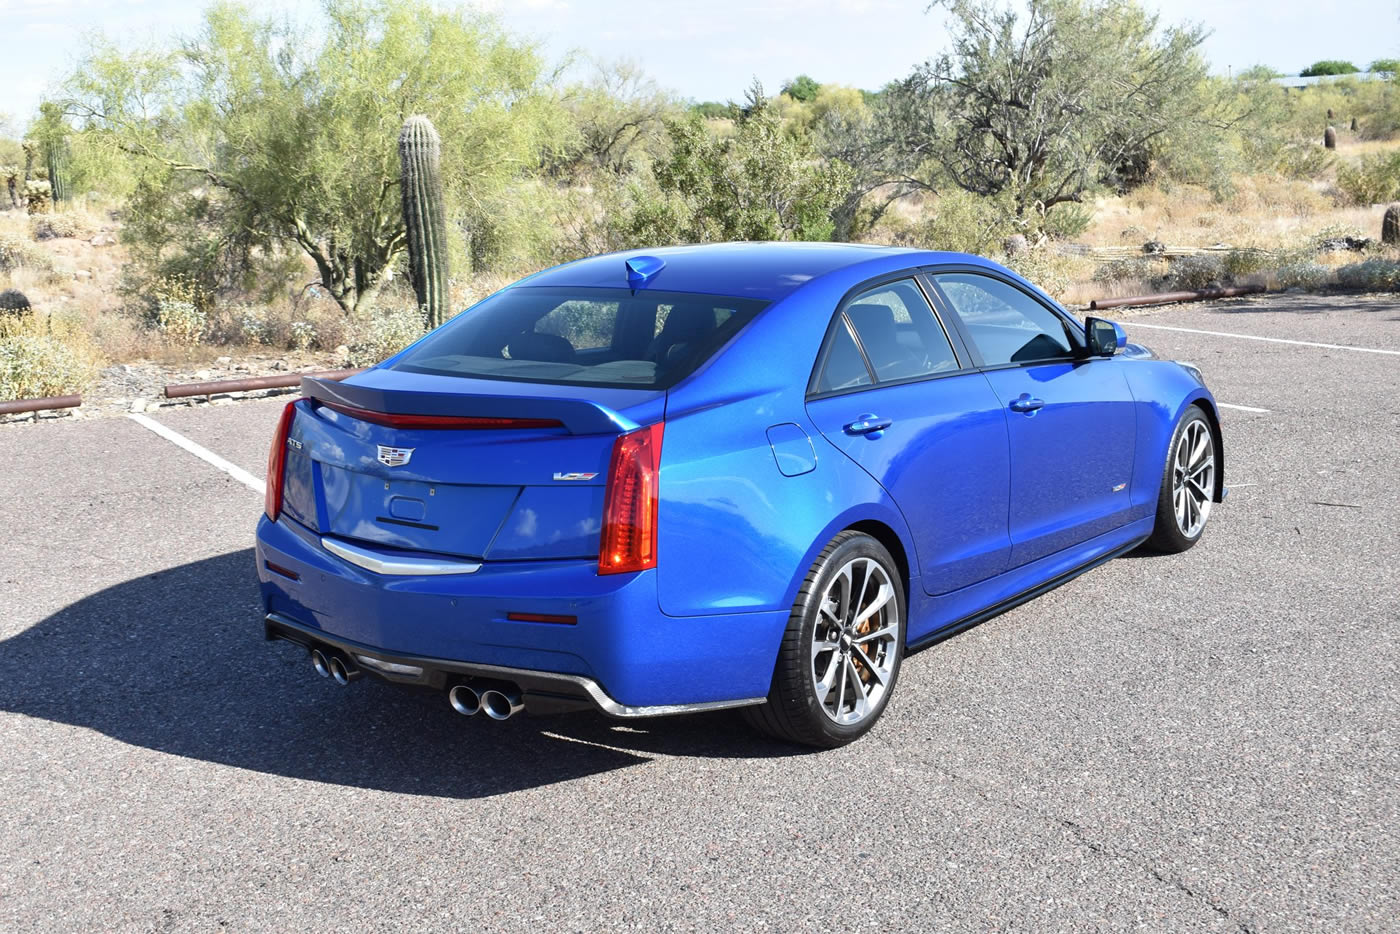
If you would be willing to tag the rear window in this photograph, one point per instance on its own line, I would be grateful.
(601, 337)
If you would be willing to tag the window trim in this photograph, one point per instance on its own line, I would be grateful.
(914, 275)
(945, 307)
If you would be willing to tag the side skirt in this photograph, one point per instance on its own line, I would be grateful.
(996, 609)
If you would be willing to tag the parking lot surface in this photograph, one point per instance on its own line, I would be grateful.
(1204, 742)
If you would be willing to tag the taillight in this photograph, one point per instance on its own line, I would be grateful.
(277, 462)
(629, 513)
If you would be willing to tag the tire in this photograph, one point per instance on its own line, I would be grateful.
(1181, 522)
(826, 651)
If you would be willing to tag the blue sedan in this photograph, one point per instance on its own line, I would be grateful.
(747, 475)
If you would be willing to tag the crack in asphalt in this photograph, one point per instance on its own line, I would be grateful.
(1125, 855)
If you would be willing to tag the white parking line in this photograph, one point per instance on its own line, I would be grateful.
(1271, 340)
(1244, 408)
(203, 453)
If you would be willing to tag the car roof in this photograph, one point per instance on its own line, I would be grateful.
(768, 271)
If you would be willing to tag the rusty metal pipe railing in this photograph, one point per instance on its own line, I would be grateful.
(16, 406)
(283, 381)
(1167, 298)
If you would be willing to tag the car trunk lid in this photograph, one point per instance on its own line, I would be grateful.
(484, 469)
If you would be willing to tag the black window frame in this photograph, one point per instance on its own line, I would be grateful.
(945, 309)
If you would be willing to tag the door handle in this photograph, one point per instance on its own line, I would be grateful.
(1026, 403)
(868, 425)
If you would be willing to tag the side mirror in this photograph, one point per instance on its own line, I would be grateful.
(1105, 338)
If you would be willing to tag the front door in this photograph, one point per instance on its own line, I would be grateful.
(1071, 419)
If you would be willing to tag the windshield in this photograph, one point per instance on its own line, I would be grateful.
(605, 337)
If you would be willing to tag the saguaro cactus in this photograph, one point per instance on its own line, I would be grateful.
(1390, 225)
(1329, 138)
(56, 155)
(425, 216)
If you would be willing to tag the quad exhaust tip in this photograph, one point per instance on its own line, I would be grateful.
(334, 666)
(501, 705)
(464, 699)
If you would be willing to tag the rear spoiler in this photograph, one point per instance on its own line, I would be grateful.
(578, 416)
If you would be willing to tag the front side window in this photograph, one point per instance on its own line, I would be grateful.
(647, 340)
(1005, 324)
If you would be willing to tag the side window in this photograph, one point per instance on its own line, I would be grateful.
(898, 332)
(842, 366)
(1005, 324)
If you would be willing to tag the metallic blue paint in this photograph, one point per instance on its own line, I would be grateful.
(980, 499)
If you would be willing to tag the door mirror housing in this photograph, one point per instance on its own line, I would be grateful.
(1103, 337)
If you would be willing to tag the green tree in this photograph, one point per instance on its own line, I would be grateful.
(618, 117)
(261, 137)
(1043, 109)
(1391, 65)
(803, 88)
(758, 184)
(1330, 66)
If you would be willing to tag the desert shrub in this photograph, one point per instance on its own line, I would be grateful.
(1301, 160)
(1123, 270)
(44, 356)
(383, 333)
(178, 309)
(16, 254)
(1052, 271)
(1337, 237)
(66, 224)
(960, 221)
(1303, 274)
(1240, 263)
(1374, 179)
(1067, 220)
(1374, 275)
(1194, 272)
(303, 335)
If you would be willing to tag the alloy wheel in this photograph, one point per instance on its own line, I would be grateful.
(1193, 478)
(854, 648)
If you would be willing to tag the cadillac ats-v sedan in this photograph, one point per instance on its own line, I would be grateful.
(747, 475)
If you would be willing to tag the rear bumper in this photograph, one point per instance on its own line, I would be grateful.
(622, 656)
(541, 691)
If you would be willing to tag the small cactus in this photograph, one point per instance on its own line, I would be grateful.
(31, 151)
(425, 216)
(56, 157)
(1354, 125)
(1329, 138)
(1390, 225)
(38, 197)
(13, 301)
(1330, 114)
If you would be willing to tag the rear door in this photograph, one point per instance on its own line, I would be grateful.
(1072, 419)
(890, 392)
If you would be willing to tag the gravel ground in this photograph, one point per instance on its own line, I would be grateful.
(1205, 742)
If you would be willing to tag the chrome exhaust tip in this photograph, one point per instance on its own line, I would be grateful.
(340, 671)
(320, 663)
(501, 705)
(464, 699)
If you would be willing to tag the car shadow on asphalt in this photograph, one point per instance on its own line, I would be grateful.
(175, 661)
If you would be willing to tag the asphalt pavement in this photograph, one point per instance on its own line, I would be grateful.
(1204, 742)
